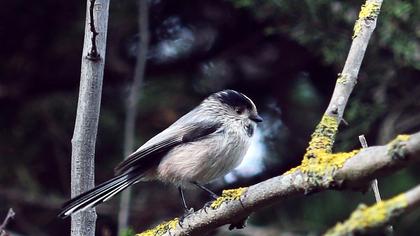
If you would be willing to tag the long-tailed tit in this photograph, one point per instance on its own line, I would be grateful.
(204, 144)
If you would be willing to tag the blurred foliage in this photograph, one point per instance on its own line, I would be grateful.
(284, 54)
(127, 232)
(326, 26)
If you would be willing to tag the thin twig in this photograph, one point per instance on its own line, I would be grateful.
(9, 216)
(375, 187)
(374, 184)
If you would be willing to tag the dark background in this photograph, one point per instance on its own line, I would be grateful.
(284, 54)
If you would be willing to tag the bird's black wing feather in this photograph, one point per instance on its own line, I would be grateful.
(150, 155)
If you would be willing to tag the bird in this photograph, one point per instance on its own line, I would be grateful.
(201, 146)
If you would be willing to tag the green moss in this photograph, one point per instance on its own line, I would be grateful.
(368, 11)
(227, 196)
(160, 229)
(364, 218)
(396, 148)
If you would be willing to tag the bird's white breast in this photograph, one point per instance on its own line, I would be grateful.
(206, 159)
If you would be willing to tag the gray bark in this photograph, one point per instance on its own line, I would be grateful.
(88, 107)
(349, 227)
(368, 164)
(274, 189)
(352, 66)
(131, 107)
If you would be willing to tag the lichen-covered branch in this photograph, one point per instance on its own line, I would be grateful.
(320, 169)
(347, 79)
(322, 139)
(356, 170)
(366, 219)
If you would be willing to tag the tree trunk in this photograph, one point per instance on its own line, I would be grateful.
(131, 106)
(85, 130)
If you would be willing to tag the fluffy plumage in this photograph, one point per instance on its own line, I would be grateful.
(202, 145)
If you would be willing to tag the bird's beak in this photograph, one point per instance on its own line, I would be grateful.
(256, 118)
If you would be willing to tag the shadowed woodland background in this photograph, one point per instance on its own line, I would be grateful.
(284, 54)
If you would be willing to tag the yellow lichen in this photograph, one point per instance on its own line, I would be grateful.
(319, 159)
(364, 218)
(324, 163)
(227, 196)
(161, 229)
(396, 148)
(368, 11)
(401, 138)
(342, 78)
(323, 137)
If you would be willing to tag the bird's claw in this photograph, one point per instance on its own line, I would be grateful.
(187, 212)
(207, 205)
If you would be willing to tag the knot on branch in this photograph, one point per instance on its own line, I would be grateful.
(368, 218)
(93, 54)
(161, 229)
(397, 147)
(369, 11)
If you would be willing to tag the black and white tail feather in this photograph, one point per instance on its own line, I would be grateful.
(100, 193)
(205, 122)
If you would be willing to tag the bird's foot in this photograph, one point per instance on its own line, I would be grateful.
(187, 213)
(207, 205)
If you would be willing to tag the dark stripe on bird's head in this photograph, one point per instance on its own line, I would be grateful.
(234, 99)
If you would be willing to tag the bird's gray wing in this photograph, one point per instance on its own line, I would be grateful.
(151, 152)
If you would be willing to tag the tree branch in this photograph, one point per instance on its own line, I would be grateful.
(354, 172)
(87, 115)
(367, 219)
(9, 216)
(320, 168)
(347, 79)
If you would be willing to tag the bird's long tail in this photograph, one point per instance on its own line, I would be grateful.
(100, 193)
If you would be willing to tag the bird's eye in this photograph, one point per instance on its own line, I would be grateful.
(239, 110)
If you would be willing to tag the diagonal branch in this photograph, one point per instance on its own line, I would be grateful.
(324, 135)
(347, 79)
(9, 216)
(367, 219)
(320, 168)
(354, 172)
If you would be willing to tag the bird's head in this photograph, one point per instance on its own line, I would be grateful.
(233, 105)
